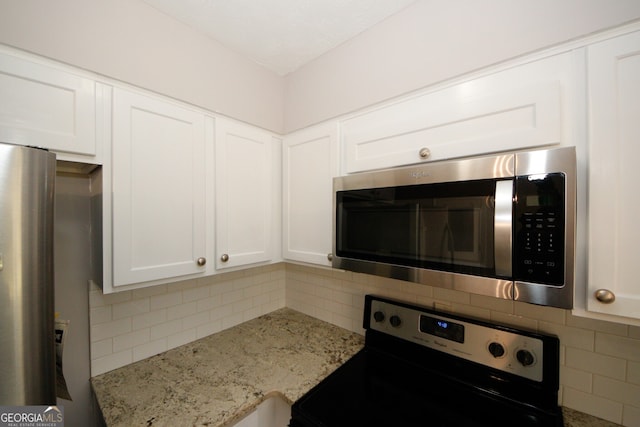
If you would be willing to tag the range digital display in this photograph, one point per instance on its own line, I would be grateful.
(442, 328)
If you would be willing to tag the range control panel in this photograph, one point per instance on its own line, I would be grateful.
(470, 339)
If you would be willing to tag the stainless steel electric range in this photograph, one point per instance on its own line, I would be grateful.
(421, 367)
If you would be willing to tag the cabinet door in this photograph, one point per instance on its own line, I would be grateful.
(158, 189)
(46, 107)
(244, 194)
(614, 150)
(520, 107)
(309, 165)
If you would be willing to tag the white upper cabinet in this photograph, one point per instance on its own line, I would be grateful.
(47, 107)
(520, 107)
(244, 194)
(614, 176)
(309, 165)
(158, 189)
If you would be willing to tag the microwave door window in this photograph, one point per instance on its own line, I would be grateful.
(374, 225)
(457, 232)
(444, 226)
(450, 235)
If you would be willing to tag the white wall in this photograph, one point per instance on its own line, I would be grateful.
(428, 42)
(131, 41)
(434, 40)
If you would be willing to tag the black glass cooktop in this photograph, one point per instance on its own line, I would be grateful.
(374, 389)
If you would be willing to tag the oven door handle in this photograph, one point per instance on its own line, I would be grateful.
(503, 225)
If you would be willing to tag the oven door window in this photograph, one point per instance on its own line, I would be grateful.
(444, 226)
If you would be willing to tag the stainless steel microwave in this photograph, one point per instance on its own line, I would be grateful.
(501, 225)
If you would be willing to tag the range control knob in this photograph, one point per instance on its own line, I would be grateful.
(525, 357)
(378, 316)
(496, 349)
(395, 321)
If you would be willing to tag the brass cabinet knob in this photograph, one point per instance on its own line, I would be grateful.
(330, 257)
(424, 153)
(224, 258)
(201, 261)
(605, 296)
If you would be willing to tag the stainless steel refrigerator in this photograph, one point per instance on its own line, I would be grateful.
(27, 346)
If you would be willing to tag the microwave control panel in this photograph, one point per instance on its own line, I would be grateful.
(539, 235)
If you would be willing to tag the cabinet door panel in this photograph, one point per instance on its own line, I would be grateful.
(158, 189)
(614, 150)
(46, 107)
(521, 107)
(243, 194)
(310, 164)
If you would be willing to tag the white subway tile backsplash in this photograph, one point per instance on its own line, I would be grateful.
(130, 340)
(181, 338)
(195, 294)
(149, 291)
(630, 416)
(589, 361)
(252, 313)
(208, 329)
(98, 299)
(451, 296)
(130, 308)
(232, 296)
(576, 379)
(549, 314)
(242, 305)
(111, 329)
(101, 348)
(469, 310)
(100, 314)
(132, 325)
(221, 312)
(110, 362)
(208, 303)
(512, 319)
(165, 300)
(182, 310)
(165, 329)
(273, 305)
(145, 320)
(260, 300)
(591, 404)
(619, 391)
(628, 348)
(149, 349)
(222, 287)
(633, 372)
(570, 336)
(195, 320)
(493, 304)
(597, 325)
(231, 321)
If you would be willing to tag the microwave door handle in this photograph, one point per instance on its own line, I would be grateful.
(503, 225)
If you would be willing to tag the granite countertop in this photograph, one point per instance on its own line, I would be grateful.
(219, 379)
(573, 418)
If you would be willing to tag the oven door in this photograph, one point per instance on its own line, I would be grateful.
(375, 390)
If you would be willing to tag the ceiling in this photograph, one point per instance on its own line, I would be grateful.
(282, 35)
